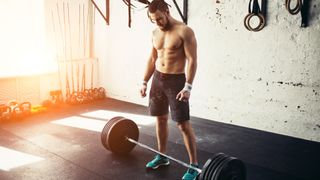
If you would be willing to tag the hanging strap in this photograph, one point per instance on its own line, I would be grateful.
(129, 13)
(67, 86)
(83, 77)
(305, 13)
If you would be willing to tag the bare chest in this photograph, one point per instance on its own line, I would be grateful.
(167, 41)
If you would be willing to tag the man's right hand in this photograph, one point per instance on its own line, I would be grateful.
(143, 90)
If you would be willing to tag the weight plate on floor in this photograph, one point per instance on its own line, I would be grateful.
(231, 169)
(213, 168)
(116, 132)
(219, 167)
(208, 165)
(205, 167)
(105, 130)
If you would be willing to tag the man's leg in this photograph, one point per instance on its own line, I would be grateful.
(162, 132)
(189, 141)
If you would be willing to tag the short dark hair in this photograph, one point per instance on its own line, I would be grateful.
(160, 5)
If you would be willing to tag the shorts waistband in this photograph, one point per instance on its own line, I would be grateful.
(168, 76)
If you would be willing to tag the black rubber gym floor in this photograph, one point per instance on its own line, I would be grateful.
(47, 149)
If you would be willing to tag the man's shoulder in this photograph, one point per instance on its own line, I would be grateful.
(184, 29)
(182, 26)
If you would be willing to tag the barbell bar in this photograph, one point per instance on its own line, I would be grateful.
(120, 135)
(174, 159)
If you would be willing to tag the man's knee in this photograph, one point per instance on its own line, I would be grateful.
(162, 120)
(184, 126)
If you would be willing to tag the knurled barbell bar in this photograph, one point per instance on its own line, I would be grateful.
(120, 135)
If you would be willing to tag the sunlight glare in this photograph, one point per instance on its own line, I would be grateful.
(89, 121)
(137, 118)
(23, 39)
(82, 123)
(11, 159)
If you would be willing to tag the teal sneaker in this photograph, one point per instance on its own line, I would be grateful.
(191, 174)
(157, 162)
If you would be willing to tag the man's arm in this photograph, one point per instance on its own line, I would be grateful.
(190, 49)
(150, 65)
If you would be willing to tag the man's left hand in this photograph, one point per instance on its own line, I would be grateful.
(183, 95)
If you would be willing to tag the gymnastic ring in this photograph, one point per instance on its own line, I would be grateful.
(261, 24)
(245, 21)
(296, 9)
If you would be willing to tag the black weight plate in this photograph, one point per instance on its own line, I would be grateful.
(104, 135)
(216, 173)
(105, 130)
(209, 163)
(213, 164)
(213, 168)
(233, 169)
(206, 166)
(117, 134)
(118, 130)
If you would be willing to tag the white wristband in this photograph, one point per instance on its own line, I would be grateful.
(144, 83)
(187, 87)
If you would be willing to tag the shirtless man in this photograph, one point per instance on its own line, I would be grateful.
(174, 51)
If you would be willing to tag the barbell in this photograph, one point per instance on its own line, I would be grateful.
(120, 135)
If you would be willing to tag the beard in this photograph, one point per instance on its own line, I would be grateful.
(166, 26)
